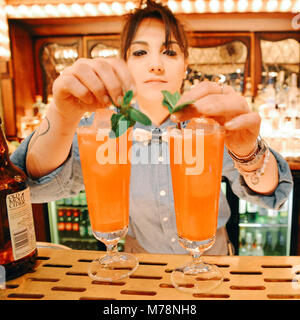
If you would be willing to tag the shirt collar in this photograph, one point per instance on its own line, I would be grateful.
(167, 123)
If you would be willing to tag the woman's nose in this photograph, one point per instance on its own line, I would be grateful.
(156, 68)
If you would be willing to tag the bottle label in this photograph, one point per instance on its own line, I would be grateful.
(21, 225)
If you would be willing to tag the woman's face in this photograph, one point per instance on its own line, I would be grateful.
(153, 67)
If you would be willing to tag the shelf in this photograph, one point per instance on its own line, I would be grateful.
(263, 225)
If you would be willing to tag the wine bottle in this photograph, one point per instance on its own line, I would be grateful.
(18, 250)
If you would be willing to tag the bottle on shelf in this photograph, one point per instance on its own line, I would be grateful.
(75, 223)
(259, 99)
(60, 202)
(83, 231)
(262, 215)
(293, 96)
(268, 247)
(248, 93)
(75, 201)
(281, 93)
(242, 242)
(68, 224)
(61, 223)
(272, 216)
(82, 199)
(68, 201)
(257, 250)
(270, 94)
(252, 213)
(283, 214)
(18, 249)
(280, 248)
(243, 211)
(249, 243)
(39, 107)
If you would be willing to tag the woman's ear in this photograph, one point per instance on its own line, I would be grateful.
(186, 64)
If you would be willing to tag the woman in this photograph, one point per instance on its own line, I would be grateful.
(154, 55)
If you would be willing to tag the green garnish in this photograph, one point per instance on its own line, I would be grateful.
(127, 116)
(170, 100)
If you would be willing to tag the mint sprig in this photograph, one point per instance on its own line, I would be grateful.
(127, 116)
(170, 101)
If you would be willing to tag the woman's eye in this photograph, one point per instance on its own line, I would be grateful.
(170, 52)
(138, 53)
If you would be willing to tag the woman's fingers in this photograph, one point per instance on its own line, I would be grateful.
(104, 79)
(203, 89)
(213, 105)
(218, 104)
(68, 85)
(111, 81)
(121, 70)
(185, 114)
(89, 79)
(249, 120)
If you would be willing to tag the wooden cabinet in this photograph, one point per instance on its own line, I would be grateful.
(31, 41)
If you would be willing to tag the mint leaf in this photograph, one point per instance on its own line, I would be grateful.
(139, 116)
(127, 98)
(127, 117)
(170, 98)
(177, 96)
(122, 126)
(114, 121)
(166, 104)
(181, 106)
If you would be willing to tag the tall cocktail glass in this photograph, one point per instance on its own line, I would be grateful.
(196, 156)
(106, 173)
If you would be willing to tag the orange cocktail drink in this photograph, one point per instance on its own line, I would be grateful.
(106, 170)
(196, 155)
(106, 173)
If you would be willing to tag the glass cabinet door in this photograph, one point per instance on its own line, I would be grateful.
(101, 46)
(226, 62)
(55, 54)
(278, 98)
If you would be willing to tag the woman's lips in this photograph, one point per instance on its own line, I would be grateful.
(155, 82)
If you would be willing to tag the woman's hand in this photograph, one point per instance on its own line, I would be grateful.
(229, 109)
(90, 84)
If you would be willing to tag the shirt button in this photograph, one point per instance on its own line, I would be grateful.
(160, 159)
(173, 240)
(162, 193)
(165, 219)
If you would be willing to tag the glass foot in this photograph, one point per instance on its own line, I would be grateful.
(113, 267)
(196, 278)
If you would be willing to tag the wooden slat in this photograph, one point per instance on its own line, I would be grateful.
(62, 274)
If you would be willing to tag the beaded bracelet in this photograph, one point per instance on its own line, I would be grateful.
(254, 157)
(255, 174)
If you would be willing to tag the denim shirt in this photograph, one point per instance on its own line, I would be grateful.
(152, 218)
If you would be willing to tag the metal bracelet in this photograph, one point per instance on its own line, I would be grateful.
(255, 174)
(254, 157)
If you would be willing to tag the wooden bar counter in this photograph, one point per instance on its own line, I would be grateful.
(62, 275)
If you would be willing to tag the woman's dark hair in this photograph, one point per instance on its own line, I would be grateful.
(156, 11)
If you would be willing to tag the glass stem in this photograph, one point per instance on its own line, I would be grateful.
(112, 248)
(197, 258)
